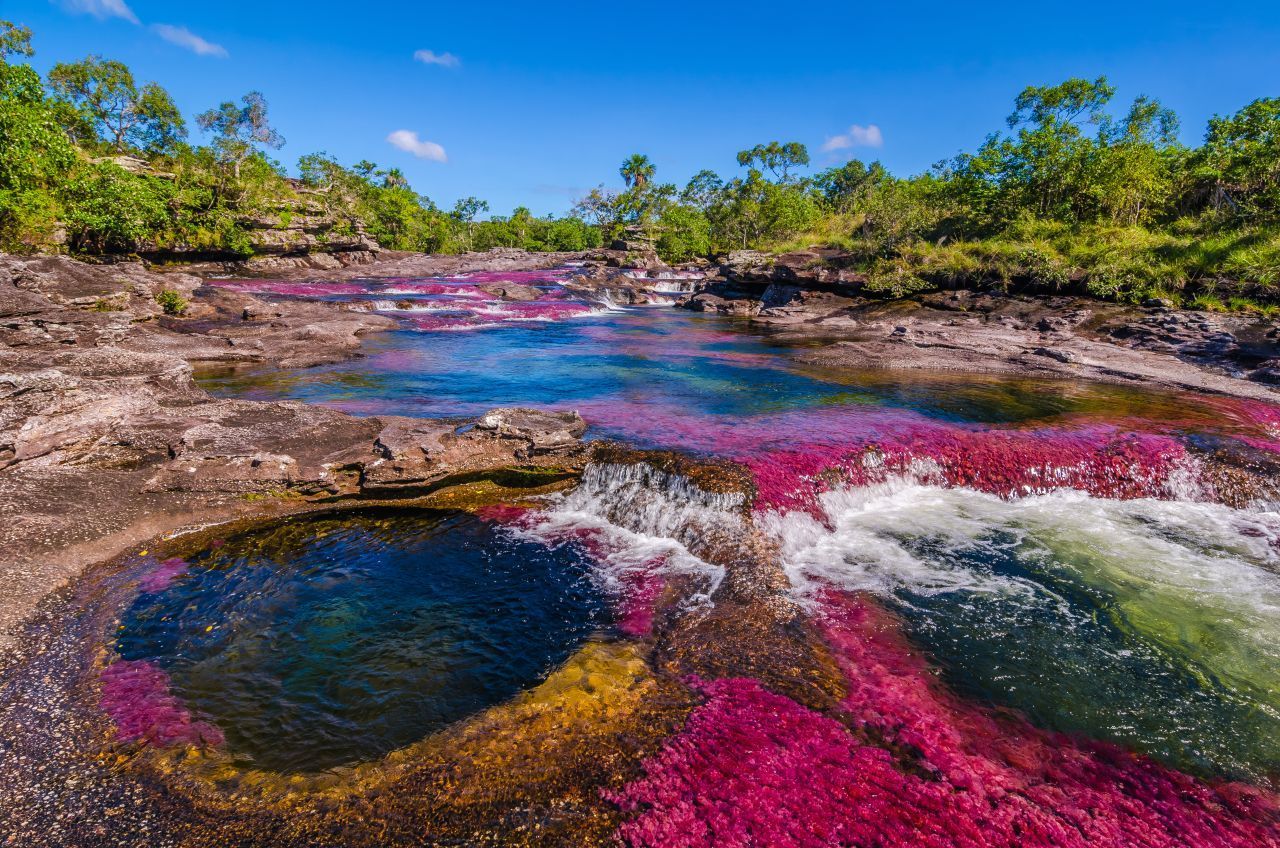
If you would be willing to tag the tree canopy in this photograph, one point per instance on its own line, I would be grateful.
(104, 102)
(1077, 188)
(241, 130)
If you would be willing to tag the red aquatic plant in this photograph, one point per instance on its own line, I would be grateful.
(907, 763)
(136, 694)
(639, 599)
(161, 576)
(797, 455)
(1099, 460)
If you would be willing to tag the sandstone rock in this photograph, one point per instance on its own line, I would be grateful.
(546, 432)
(709, 302)
(416, 453)
(510, 291)
(1055, 353)
(793, 303)
(1267, 372)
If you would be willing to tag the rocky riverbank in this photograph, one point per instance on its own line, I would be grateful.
(106, 441)
(809, 296)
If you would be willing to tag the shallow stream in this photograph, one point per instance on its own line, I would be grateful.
(1033, 591)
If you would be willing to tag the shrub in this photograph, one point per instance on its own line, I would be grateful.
(171, 302)
(894, 278)
(108, 209)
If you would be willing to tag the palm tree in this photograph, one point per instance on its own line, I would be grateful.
(637, 171)
(394, 178)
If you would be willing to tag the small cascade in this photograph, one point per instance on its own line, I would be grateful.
(611, 300)
(639, 519)
(602, 480)
(675, 286)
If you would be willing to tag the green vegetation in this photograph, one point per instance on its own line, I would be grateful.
(93, 162)
(1075, 194)
(172, 302)
(1073, 197)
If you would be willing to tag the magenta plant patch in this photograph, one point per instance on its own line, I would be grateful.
(908, 764)
(161, 577)
(137, 696)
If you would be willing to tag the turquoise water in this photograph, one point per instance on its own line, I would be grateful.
(1149, 621)
(631, 371)
(321, 642)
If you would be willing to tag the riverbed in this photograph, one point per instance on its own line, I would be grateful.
(785, 605)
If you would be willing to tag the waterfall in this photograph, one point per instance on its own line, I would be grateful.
(641, 519)
(675, 287)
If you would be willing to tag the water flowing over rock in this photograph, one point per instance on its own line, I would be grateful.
(760, 596)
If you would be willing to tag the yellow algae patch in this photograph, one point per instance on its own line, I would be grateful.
(530, 770)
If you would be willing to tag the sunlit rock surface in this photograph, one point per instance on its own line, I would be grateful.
(699, 584)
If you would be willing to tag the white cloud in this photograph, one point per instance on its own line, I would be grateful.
(858, 136)
(101, 9)
(431, 57)
(184, 37)
(408, 141)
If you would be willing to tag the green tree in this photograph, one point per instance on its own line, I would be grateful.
(465, 212)
(637, 171)
(394, 178)
(15, 40)
(101, 94)
(598, 207)
(240, 131)
(1241, 158)
(1133, 176)
(111, 210)
(321, 171)
(844, 187)
(35, 158)
(522, 224)
(704, 190)
(1048, 161)
(776, 158)
(898, 212)
(684, 233)
(572, 233)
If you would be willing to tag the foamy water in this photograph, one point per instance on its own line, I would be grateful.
(995, 563)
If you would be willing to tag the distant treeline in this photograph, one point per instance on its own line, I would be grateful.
(91, 161)
(1074, 194)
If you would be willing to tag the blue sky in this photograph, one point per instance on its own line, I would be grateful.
(533, 103)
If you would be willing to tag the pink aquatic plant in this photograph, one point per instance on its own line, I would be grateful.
(795, 456)
(1099, 460)
(161, 577)
(136, 694)
(639, 599)
(453, 289)
(503, 513)
(909, 764)
(552, 310)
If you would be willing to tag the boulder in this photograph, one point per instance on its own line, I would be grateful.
(545, 432)
(416, 453)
